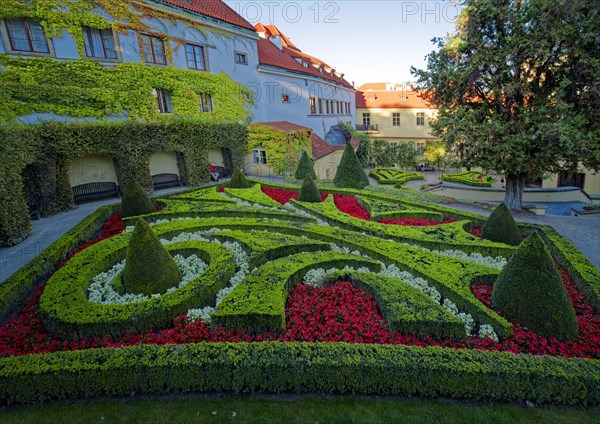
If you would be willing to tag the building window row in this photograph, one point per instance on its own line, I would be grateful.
(164, 102)
(28, 36)
(395, 119)
(331, 107)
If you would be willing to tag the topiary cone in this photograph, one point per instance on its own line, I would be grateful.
(238, 180)
(305, 167)
(530, 290)
(149, 267)
(135, 200)
(309, 191)
(501, 227)
(350, 173)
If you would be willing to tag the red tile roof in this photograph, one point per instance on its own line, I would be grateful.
(319, 147)
(214, 9)
(373, 86)
(390, 99)
(269, 54)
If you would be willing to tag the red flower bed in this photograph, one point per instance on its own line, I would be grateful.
(349, 205)
(339, 313)
(283, 196)
(415, 222)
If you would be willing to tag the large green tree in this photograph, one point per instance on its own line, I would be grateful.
(517, 88)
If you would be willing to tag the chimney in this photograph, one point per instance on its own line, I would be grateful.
(276, 40)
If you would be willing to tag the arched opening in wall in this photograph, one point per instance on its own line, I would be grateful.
(93, 177)
(164, 170)
(222, 161)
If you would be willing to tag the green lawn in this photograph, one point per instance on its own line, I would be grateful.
(289, 409)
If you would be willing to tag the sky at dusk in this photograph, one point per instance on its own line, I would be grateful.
(369, 41)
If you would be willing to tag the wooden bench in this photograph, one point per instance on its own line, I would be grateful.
(165, 180)
(95, 191)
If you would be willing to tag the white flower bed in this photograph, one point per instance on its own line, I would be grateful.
(486, 330)
(102, 288)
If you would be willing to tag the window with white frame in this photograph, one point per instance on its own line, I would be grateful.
(206, 103)
(420, 148)
(99, 43)
(196, 58)
(366, 119)
(153, 49)
(396, 119)
(420, 118)
(26, 35)
(241, 58)
(260, 156)
(163, 100)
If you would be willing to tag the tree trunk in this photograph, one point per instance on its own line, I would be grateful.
(513, 198)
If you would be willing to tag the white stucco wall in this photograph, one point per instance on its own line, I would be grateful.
(92, 169)
(164, 163)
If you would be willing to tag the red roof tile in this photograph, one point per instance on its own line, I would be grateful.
(214, 9)
(269, 54)
(373, 86)
(390, 99)
(320, 148)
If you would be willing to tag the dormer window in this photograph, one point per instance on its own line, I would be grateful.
(305, 64)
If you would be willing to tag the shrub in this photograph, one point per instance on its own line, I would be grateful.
(309, 191)
(350, 173)
(501, 227)
(530, 290)
(149, 268)
(305, 167)
(238, 180)
(135, 200)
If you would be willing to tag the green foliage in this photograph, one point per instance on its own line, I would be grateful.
(238, 180)
(252, 195)
(530, 290)
(258, 303)
(509, 115)
(383, 153)
(501, 227)
(309, 191)
(405, 308)
(305, 167)
(149, 268)
(394, 176)
(435, 153)
(135, 200)
(364, 148)
(300, 368)
(16, 288)
(406, 155)
(67, 313)
(282, 148)
(470, 178)
(350, 173)
(130, 144)
(85, 88)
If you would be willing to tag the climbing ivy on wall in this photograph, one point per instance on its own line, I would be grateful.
(130, 144)
(283, 149)
(84, 88)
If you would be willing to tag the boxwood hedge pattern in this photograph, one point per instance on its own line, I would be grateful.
(283, 243)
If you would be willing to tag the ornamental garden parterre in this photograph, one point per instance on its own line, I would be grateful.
(360, 292)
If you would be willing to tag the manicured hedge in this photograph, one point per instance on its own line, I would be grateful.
(470, 178)
(67, 313)
(258, 303)
(19, 286)
(130, 144)
(300, 368)
(394, 176)
(405, 308)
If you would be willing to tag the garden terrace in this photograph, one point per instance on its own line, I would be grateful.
(362, 292)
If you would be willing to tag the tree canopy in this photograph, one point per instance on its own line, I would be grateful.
(517, 88)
